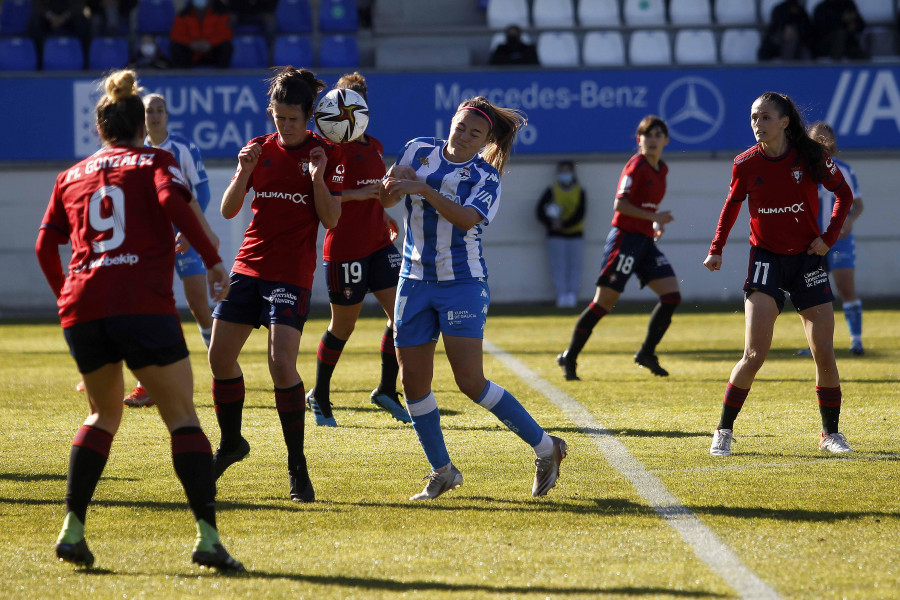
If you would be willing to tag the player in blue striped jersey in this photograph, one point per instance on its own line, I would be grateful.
(842, 255)
(188, 264)
(450, 190)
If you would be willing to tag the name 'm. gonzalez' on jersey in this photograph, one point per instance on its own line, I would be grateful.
(433, 248)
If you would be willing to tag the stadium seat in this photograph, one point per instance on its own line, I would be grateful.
(250, 52)
(293, 16)
(599, 13)
(17, 54)
(690, 12)
(604, 49)
(649, 48)
(557, 49)
(735, 12)
(14, 16)
(503, 13)
(338, 16)
(876, 11)
(107, 53)
(645, 12)
(155, 16)
(739, 46)
(695, 47)
(338, 51)
(164, 43)
(63, 53)
(553, 13)
(294, 50)
(765, 9)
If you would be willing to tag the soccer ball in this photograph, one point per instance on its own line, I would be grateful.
(342, 115)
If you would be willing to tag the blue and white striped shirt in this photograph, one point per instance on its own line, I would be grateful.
(826, 198)
(433, 248)
(188, 157)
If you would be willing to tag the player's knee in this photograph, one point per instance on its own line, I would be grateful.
(673, 298)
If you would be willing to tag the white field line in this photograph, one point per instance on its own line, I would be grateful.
(708, 546)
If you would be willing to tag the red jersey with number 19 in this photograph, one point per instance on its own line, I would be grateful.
(280, 242)
(361, 229)
(123, 252)
(783, 202)
(644, 187)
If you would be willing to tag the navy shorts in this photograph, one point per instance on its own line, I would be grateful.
(139, 340)
(348, 281)
(425, 309)
(842, 254)
(803, 276)
(254, 301)
(626, 253)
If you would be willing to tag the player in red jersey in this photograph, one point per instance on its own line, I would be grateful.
(631, 248)
(780, 176)
(359, 257)
(297, 179)
(116, 207)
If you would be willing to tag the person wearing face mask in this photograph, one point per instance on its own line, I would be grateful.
(149, 55)
(514, 51)
(202, 36)
(561, 211)
(631, 250)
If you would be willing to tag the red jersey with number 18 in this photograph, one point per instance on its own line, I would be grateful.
(123, 252)
(783, 201)
(280, 242)
(361, 229)
(644, 187)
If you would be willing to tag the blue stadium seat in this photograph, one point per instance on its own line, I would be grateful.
(108, 53)
(250, 52)
(164, 43)
(294, 50)
(338, 16)
(17, 54)
(155, 16)
(63, 53)
(293, 16)
(14, 16)
(338, 51)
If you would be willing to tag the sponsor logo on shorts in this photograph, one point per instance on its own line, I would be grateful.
(456, 317)
(347, 293)
(794, 208)
(816, 278)
(282, 296)
(395, 260)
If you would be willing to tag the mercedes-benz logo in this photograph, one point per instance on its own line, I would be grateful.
(693, 108)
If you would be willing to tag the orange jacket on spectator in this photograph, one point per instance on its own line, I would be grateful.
(214, 27)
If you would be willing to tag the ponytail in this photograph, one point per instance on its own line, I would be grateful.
(504, 124)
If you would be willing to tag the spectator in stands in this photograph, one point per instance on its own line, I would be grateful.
(789, 35)
(201, 36)
(259, 14)
(514, 51)
(838, 25)
(109, 16)
(561, 211)
(58, 17)
(149, 55)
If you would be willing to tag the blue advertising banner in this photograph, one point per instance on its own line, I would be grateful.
(569, 112)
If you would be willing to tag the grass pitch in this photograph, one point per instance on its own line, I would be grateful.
(808, 524)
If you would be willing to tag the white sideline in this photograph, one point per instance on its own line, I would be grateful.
(708, 546)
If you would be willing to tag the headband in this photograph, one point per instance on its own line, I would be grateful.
(483, 114)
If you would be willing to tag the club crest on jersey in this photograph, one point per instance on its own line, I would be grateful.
(798, 175)
(465, 173)
(304, 166)
(423, 161)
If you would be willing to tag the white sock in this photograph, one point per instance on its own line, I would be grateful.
(544, 448)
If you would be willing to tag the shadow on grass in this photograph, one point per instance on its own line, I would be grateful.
(33, 477)
(393, 585)
(790, 515)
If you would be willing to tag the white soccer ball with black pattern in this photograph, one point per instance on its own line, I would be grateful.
(342, 116)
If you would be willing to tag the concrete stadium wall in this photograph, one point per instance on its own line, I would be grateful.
(514, 243)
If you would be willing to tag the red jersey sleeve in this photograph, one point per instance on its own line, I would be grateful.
(737, 192)
(843, 200)
(54, 232)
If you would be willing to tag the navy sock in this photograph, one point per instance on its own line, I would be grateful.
(389, 366)
(829, 407)
(228, 398)
(291, 405)
(731, 405)
(660, 319)
(90, 451)
(192, 459)
(327, 356)
(584, 327)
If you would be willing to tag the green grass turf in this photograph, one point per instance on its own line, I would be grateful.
(808, 524)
